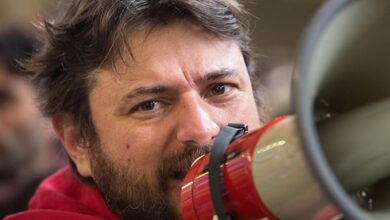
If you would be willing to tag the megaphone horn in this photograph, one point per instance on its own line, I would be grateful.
(343, 71)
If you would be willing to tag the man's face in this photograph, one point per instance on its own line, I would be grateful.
(20, 122)
(156, 113)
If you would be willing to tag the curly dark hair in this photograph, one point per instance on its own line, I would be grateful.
(93, 33)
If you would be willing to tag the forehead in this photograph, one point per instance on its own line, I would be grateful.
(181, 48)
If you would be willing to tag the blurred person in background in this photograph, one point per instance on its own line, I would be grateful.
(29, 150)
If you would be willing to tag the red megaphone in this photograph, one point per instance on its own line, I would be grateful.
(262, 175)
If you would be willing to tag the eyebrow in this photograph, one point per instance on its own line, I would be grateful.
(145, 90)
(158, 89)
(215, 75)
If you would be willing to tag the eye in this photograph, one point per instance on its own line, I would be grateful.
(219, 89)
(147, 106)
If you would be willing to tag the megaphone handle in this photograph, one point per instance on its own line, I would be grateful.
(217, 158)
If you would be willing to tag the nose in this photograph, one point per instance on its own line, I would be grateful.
(196, 122)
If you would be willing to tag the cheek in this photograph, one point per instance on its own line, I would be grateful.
(17, 118)
(244, 111)
(252, 118)
(139, 147)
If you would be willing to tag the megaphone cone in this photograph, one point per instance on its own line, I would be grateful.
(343, 73)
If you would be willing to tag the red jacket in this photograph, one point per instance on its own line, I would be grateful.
(62, 196)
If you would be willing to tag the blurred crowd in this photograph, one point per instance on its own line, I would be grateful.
(29, 150)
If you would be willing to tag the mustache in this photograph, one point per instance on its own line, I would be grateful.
(177, 165)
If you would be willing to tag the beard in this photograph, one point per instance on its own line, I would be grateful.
(129, 194)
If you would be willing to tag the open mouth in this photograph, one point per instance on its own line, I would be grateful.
(179, 175)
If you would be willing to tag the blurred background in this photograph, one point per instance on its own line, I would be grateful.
(29, 150)
(278, 27)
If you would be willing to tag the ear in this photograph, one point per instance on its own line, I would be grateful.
(65, 129)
